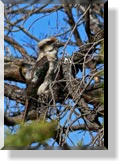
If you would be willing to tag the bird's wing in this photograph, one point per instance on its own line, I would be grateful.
(38, 75)
(40, 70)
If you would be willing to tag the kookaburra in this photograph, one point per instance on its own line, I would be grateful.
(43, 72)
(46, 64)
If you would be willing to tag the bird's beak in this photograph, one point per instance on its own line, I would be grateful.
(59, 44)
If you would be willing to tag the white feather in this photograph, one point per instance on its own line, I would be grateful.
(42, 88)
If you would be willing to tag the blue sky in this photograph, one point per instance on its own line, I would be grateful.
(47, 26)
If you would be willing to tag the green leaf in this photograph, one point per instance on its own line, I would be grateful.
(37, 131)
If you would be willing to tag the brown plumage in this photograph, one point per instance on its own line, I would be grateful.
(42, 73)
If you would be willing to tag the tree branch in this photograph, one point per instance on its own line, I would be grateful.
(15, 93)
(18, 47)
(72, 24)
(15, 69)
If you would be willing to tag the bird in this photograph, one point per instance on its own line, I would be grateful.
(43, 72)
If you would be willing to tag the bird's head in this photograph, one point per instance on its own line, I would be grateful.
(49, 47)
(50, 41)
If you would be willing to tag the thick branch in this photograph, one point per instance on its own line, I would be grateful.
(14, 120)
(72, 24)
(15, 69)
(15, 93)
(84, 127)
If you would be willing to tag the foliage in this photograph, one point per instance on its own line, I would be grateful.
(37, 131)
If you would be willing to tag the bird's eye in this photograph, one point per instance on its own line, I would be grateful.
(40, 48)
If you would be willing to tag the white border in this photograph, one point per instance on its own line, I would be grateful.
(1, 74)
